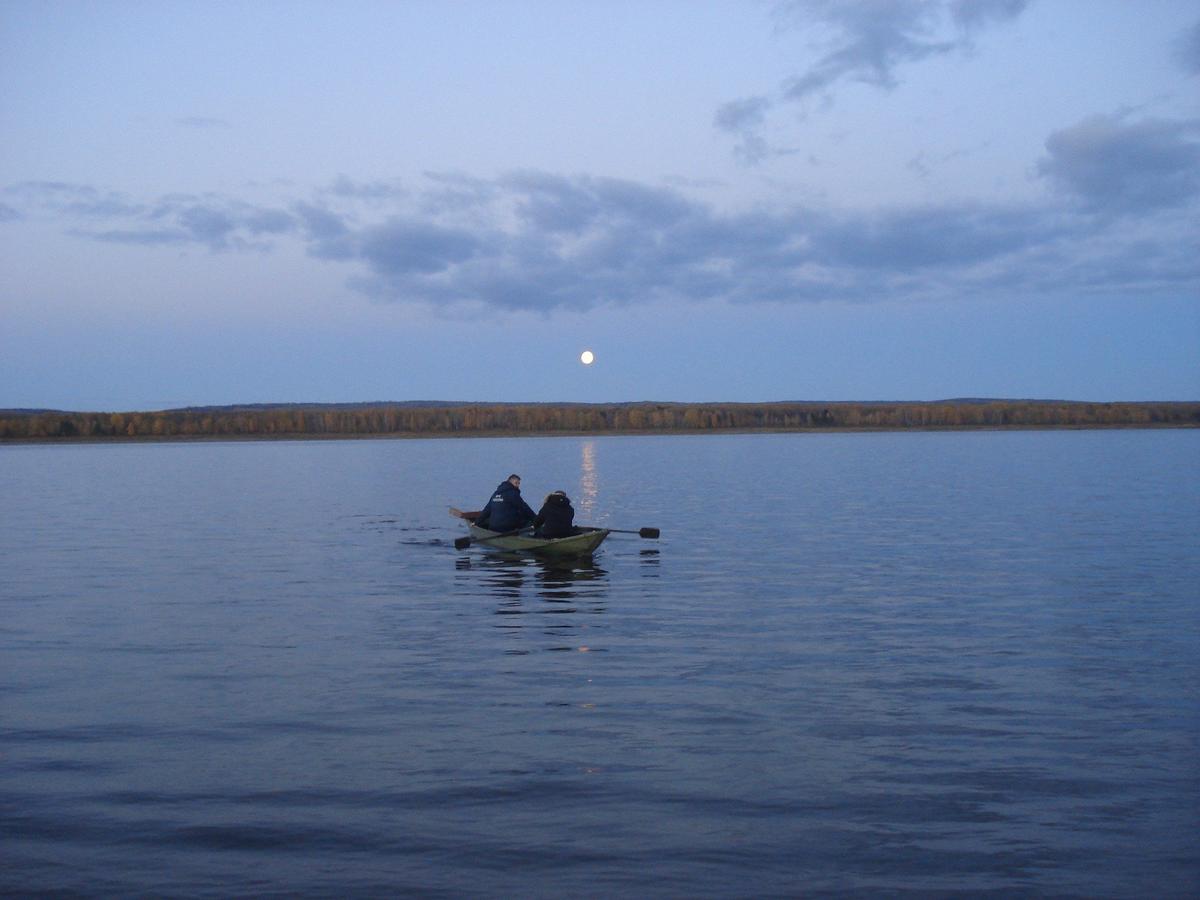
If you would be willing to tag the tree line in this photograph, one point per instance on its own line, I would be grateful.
(399, 419)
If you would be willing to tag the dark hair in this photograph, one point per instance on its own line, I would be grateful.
(511, 477)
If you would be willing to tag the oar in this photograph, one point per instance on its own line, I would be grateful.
(463, 543)
(641, 532)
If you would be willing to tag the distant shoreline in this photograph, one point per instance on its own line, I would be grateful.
(423, 420)
(673, 432)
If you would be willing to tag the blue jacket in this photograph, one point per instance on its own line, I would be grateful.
(506, 511)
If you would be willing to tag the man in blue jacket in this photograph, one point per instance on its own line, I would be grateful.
(506, 511)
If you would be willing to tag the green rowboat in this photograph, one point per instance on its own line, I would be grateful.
(586, 541)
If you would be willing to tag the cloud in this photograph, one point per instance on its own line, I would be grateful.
(71, 198)
(1110, 165)
(862, 41)
(399, 248)
(744, 118)
(930, 237)
(1187, 50)
(738, 115)
(531, 240)
(870, 40)
(544, 242)
(558, 204)
(216, 222)
(327, 232)
(971, 15)
(343, 186)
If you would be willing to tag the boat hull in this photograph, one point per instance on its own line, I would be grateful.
(576, 545)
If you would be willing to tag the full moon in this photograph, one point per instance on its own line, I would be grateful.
(587, 357)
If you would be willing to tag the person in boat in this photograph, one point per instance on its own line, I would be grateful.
(556, 517)
(506, 510)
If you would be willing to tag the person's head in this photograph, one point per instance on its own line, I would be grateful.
(557, 497)
(514, 480)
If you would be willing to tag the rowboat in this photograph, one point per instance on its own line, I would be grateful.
(586, 541)
(583, 541)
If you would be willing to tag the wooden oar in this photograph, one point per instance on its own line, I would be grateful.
(641, 532)
(463, 543)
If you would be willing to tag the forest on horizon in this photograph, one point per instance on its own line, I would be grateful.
(416, 419)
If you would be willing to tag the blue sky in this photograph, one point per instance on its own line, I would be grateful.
(218, 202)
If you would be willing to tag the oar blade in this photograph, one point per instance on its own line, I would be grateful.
(462, 543)
(641, 532)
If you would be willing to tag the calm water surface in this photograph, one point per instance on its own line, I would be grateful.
(908, 664)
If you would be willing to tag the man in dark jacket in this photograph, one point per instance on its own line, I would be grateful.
(556, 517)
(506, 511)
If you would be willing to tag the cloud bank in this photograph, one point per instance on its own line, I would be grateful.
(1122, 201)
(1126, 168)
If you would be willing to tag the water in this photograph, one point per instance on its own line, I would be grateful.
(899, 664)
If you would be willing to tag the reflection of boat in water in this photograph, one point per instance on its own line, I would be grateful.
(586, 541)
(563, 584)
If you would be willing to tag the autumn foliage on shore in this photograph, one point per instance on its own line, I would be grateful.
(451, 419)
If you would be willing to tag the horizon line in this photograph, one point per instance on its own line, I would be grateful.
(43, 410)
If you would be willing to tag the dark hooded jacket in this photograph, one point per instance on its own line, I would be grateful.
(506, 511)
(556, 517)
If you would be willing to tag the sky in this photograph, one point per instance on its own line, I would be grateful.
(208, 203)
